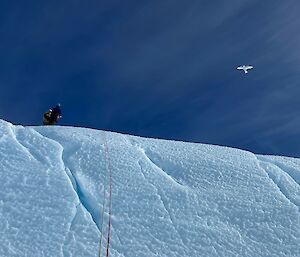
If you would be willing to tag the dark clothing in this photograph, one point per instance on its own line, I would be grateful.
(56, 113)
(51, 117)
(56, 110)
(47, 118)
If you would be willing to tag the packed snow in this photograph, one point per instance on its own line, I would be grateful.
(169, 198)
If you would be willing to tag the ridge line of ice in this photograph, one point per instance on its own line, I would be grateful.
(73, 180)
(29, 148)
(163, 204)
(277, 176)
(142, 151)
(290, 173)
(35, 156)
(14, 132)
(163, 172)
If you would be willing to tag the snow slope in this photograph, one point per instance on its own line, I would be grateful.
(168, 198)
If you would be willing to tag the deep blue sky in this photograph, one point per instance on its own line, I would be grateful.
(164, 69)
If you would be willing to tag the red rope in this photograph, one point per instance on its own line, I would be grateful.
(110, 200)
(103, 206)
(107, 168)
(101, 232)
(109, 221)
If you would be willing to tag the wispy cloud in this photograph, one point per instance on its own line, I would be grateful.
(157, 68)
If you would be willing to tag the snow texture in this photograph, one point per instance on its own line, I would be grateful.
(168, 198)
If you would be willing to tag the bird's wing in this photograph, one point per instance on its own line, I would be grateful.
(240, 68)
(249, 67)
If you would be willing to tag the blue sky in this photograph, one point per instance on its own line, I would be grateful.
(163, 69)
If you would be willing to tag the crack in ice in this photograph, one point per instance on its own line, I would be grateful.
(14, 134)
(163, 203)
(277, 181)
(69, 230)
(165, 174)
(74, 182)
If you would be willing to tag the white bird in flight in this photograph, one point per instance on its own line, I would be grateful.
(245, 68)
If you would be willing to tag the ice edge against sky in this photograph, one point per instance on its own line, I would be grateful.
(170, 198)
